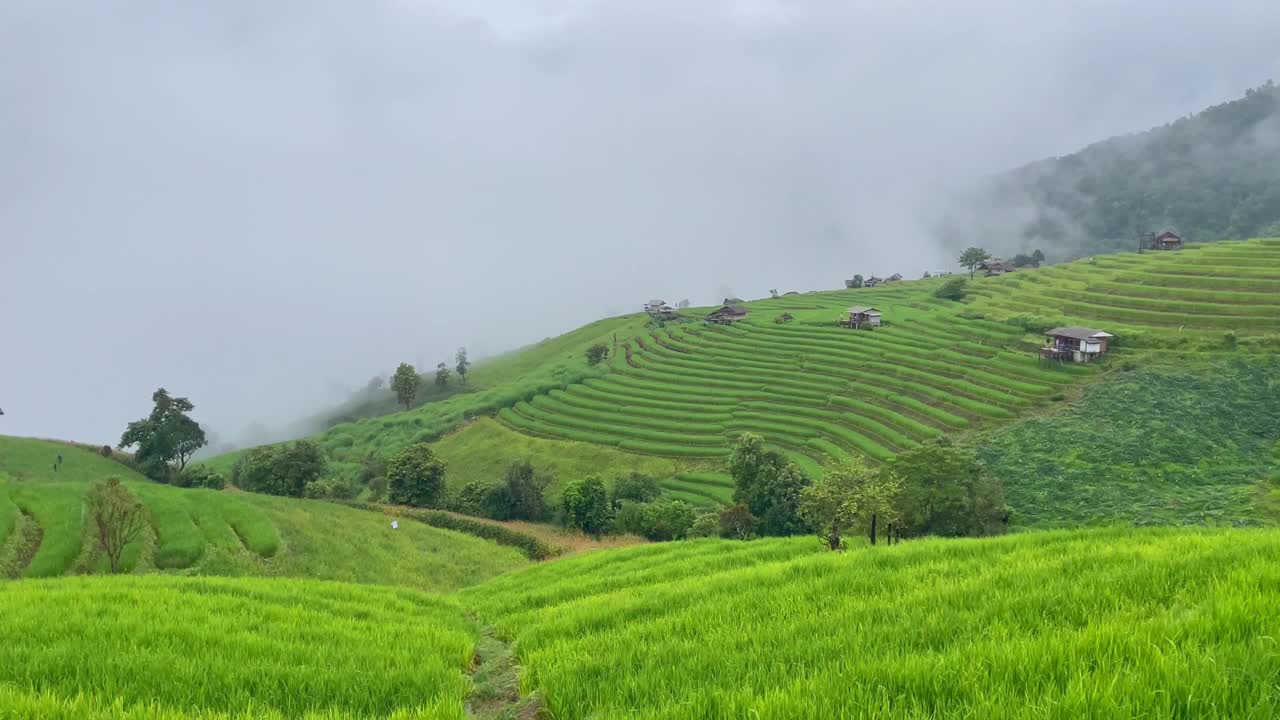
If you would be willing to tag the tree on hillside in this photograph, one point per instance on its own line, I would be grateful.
(855, 283)
(768, 485)
(405, 384)
(585, 504)
(118, 518)
(773, 293)
(848, 496)
(1037, 257)
(415, 476)
(597, 353)
(281, 469)
(165, 436)
(442, 376)
(463, 364)
(971, 258)
(945, 492)
(682, 305)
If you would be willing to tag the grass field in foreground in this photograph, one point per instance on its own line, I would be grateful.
(165, 648)
(1099, 624)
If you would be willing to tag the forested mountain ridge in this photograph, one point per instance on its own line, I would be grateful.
(1209, 176)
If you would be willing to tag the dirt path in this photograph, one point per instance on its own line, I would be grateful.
(495, 677)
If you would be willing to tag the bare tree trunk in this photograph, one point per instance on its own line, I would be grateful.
(873, 529)
(834, 540)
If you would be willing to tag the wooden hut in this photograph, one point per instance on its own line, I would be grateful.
(858, 317)
(996, 266)
(784, 318)
(727, 315)
(1166, 240)
(1075, 344)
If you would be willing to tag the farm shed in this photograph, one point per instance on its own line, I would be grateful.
(996, 266)
(1166, 240)
(873, 281)
(1075, 344)
(790, 292)
(895, 277)
(784, 318)
(859, 317)
(660, 310)
(727, 314)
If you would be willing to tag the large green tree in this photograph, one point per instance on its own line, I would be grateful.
(768, 485)
(463, 365)
(415, 476)
(971, 258)
(851, 495)
(167, 435)
(405, 384)
(945, 492)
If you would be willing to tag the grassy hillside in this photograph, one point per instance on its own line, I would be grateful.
(32, 459)
(553, 360)
(673, 398)
(43, 532)
(1099, 624)
(167, 648)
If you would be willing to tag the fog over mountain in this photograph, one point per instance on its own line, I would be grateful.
(260, 205)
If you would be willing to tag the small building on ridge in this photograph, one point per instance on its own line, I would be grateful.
(858, 317)
(1075, 344)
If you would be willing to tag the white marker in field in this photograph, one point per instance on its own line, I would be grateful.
(395, 524)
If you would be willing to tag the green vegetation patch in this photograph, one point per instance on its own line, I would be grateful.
(1148, 447)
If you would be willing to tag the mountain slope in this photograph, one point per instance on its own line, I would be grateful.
(1211, 176)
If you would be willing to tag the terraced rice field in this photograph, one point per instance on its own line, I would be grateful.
(820, 392)
(162, 648)
(1196, 294)
(811, 388)
(1049, 625)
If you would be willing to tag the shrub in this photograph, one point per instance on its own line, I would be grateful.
(1030, 323)
(378, 488)
(199, 476)
(518, 496)
(415, 476)
(280, 469)
(106, 451)
(330, 489)
(663, 520)
(531, 546)
(706, 524)
(636, 487)
(737, 522)
(586, 505)
(597, 353)
(952, 289)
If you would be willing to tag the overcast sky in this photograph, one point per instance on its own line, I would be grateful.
(257, 204)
